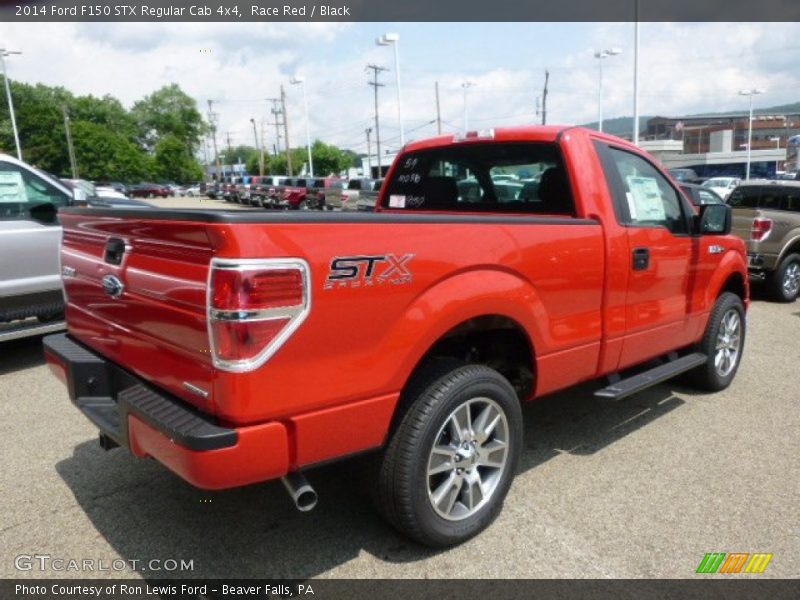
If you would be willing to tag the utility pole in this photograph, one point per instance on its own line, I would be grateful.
(229, 154)
(438, 112)
(212, 120)
(374, 83)
(544, 97)
(261, 162)
(276, 147)
(261, 155)
(70, 148)
(368, 131)
(286, 131)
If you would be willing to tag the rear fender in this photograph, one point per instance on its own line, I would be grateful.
(457, 299)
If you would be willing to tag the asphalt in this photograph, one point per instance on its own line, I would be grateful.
(640, 488)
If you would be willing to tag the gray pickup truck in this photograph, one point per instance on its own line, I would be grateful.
(766, 215)
(347, 198)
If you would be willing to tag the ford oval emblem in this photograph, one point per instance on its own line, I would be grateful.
(113, 286)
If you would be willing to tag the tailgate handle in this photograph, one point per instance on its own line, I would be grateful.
(115, 248)
(641, 259)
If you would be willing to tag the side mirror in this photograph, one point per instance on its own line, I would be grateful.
(45, 213)
(714, 219)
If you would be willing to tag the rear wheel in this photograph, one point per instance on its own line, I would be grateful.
(784, 283)
(723, 343)
(449, 464)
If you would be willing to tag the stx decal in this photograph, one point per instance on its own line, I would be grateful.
(366, 271)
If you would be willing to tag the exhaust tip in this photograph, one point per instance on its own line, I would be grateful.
(300, 491)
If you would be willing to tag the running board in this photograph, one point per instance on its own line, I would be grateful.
(642, 381)
(8, 333)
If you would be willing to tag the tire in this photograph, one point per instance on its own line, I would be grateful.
(726, 325)
(303, 205)
(784, 283)
(407, 492)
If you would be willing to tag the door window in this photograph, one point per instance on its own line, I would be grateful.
(24, 195)
(649, 198)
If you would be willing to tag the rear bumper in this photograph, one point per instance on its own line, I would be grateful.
(760, 264)
(151, 422)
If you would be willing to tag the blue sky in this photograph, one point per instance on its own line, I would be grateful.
(685, 68)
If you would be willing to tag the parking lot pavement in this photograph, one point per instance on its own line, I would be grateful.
(642, 487)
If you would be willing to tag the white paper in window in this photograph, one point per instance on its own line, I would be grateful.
(12, 189)
(646, 199)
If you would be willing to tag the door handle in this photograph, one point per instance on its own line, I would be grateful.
(641, 259)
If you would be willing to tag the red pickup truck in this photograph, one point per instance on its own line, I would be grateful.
(236, 347)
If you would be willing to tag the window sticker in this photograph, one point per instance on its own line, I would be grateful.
(12, 189)
(645, 197)
(397, 201)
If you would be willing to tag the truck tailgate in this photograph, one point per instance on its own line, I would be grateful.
(136, 293)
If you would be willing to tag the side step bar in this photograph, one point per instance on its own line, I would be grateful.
(27, 330)
(626, 387)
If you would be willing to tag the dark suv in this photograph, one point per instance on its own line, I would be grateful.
(766, 214)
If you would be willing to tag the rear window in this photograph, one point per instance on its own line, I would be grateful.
(491, 177)
(772, 197)
(354, 184)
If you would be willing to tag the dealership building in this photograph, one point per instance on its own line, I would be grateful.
(716, 145)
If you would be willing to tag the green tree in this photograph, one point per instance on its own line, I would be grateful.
(103, 153)
(278, 166)
(328, 159)
(169, 111)
(243, 153)
(40, 121)
(175, 162)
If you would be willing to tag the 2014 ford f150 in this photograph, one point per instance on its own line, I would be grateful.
(499, 266)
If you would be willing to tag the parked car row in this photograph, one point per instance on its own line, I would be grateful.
(297, 193)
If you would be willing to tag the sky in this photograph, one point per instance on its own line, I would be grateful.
(685, 68)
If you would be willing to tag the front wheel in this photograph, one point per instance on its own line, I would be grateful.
(785, 280)
(449, 464)
(723, 343)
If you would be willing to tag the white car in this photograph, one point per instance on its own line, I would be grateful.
(722, 185)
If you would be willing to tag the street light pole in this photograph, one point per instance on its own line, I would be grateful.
(750, 93)
(601, 55)
(636, 74)
(260, 151)
(393, 39)
(301, 81)
(466, 85)
(3, 54)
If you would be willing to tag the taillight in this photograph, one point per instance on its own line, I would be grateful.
(760, 230)
(254, 306)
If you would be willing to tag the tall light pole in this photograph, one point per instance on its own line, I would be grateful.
(601, 55)
(750, 93)
(777, 141)
(376, 70)
(636, 73)
(301, 81)
(3, 54)
(466, 85)
(393, 39)
(260, 149)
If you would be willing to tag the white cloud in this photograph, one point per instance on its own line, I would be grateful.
(685, 68)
